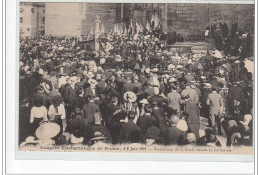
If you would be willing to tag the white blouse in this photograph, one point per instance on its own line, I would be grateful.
(61, 111)
(38, 112)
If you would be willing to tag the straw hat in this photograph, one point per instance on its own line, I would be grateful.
(47, 131)
(92, 81)
(90, 75)
(171, 66)
(130, 96)
(144, 101)
(98, 136)
(172, 79)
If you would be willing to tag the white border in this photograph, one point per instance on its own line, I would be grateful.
(73, 167)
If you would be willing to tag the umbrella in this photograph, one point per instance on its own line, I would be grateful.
(249, 65)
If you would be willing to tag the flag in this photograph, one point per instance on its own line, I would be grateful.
(102, 29)
(142, 28)
(114, 28)
(148, 27)
(156, 21)
(137, 27)
(152, 19)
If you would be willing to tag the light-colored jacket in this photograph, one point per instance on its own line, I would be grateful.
(215, 103)
(174, 98)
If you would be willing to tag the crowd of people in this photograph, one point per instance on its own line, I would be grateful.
(134, 90)
(234, 41)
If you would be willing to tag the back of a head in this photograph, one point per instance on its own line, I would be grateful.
(97, 117)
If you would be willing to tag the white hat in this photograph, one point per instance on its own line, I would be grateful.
(144, 101)
(208, 85)
(92, 81)
(73, 79)
(171, 66)
(203, 77)
(130, 96)
(41, 71)
(47, 131)
(218, 54)
(99, 68)
(98, 76)
(248, 117)
(102, 61)
(155, 69)
(90, 75)
(237, 61)
(172, 79)
(179, 67)
(147, 70)
(224, 66)
(118, 58)
(221, 71)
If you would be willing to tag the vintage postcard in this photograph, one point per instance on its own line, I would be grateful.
(175, 78)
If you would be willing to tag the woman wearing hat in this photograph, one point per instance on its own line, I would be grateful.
(38, 113)
(57, 113)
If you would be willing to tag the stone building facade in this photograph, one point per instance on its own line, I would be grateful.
(75, 19)
(32, 19)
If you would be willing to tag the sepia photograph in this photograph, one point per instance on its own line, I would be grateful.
(175, 78)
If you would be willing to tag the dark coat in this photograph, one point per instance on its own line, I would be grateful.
(70, 96)
(173, 136)
(126, 131)
(88, 111)
(89, 91)
(161, 121)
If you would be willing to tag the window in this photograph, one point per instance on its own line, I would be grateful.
(43, 19)
(21, 9)
(21, 29)
(32, 10)
(43, 11)
(28, 29)
(21, 19)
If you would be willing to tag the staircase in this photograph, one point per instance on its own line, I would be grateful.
(195, 47)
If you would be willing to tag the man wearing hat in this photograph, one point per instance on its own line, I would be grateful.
(193, 86)
(235, 97)
(90, 109)
(70, 96)
(216, 104)
(174, 100)
(159, 116)
(189, 77)
(97, 127)
(191, 92)
(91, 90)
